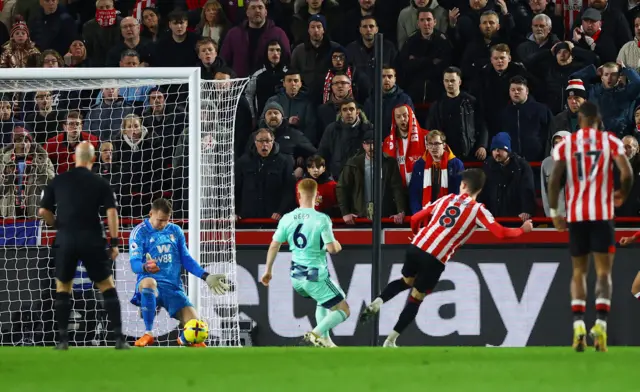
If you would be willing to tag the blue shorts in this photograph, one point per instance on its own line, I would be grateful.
(169, 297)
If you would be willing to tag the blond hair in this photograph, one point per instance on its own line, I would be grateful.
(307, 187)
(435, 133)
(127, 119)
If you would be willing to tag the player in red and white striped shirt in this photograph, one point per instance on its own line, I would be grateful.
(585, 161)
(448, 223)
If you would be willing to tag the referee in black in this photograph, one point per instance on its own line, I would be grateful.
(78, 196)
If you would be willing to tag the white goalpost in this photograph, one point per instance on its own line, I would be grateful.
(158, 132)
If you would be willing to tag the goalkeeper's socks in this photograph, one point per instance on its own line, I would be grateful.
(329, 322)
(408, 314)
(63, 310)
(321, 313)
(112, 307)
(393, 288)
(148, 308)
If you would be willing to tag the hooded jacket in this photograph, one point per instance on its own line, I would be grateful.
(266, 82)
(545, 173)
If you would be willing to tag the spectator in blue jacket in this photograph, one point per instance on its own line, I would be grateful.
(434, 175)
(614, 97)
(527, 122)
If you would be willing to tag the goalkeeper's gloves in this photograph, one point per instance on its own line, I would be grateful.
(216, 282)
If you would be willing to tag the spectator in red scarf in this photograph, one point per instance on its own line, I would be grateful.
(435, 175)
(101, 33)
(340, 65)
(589, 36)
(326, 199)
(24, 171)
(406, 143)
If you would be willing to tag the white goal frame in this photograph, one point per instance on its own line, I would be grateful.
(190, 76)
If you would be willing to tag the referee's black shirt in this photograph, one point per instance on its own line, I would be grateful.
(77, 195)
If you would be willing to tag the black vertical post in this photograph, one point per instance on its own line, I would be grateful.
(377, 180)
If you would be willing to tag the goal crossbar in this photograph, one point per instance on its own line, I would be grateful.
(12, 80)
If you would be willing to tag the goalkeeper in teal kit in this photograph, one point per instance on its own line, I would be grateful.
(158, 251)
(309, 235)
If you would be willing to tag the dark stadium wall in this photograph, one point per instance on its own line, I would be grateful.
(487, 297)
(509, 296)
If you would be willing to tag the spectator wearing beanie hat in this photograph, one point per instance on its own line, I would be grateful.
(568, 118)
(19, 47)
(313, 57)
(292, 142)
(509, 190)
(25, 169)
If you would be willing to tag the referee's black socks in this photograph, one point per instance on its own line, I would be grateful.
(63, 310)
(112, 307)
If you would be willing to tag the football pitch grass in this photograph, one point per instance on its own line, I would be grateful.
(303, 369)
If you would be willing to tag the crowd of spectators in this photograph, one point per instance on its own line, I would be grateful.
(490, 83)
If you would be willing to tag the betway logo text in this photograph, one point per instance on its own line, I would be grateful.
(518, 315)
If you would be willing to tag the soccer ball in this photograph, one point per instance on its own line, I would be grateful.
(196, 331)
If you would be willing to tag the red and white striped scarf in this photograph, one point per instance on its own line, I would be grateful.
(326, 90)
(416, 146)
(443, 179)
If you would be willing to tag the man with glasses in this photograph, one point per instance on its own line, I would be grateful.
(340, 90)
(436, 174)
(264, 186)
(130, 31)
(358, 82)
(61, 148)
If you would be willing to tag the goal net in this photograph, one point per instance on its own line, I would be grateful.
(158, 132)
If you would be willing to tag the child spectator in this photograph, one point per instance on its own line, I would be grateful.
(18, 49)
(326, 199)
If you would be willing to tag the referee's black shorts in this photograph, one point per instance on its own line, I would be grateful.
(591, 236)
(424, 267)
(71, 249)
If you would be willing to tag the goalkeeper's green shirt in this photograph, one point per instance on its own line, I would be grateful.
(307, 231)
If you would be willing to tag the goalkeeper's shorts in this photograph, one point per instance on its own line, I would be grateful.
(169, 297)
(325, 292)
